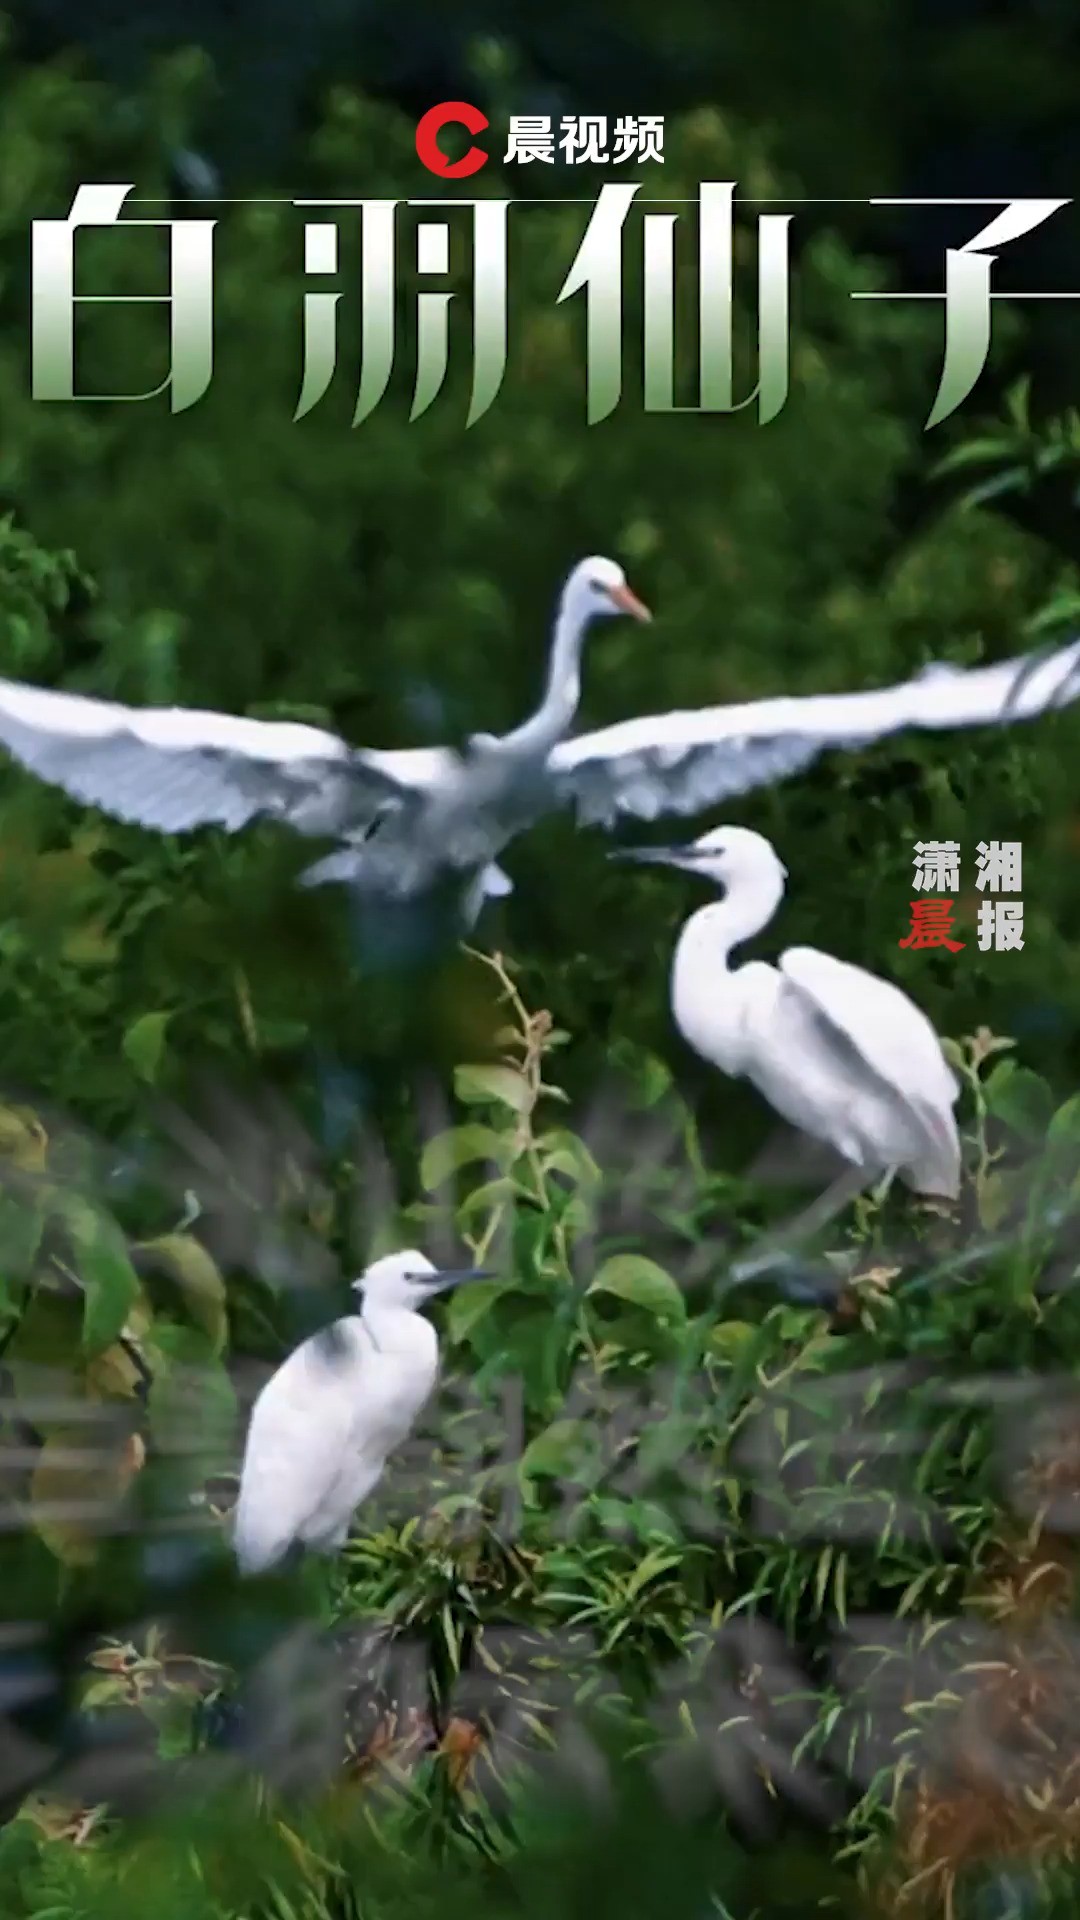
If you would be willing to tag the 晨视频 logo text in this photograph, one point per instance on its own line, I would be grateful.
(574, 139)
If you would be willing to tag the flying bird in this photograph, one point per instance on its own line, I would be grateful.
(841, 1055)
(413, 823)
(326, 1422)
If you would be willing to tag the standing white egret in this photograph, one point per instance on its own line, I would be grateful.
(326, 1422)
(842, 1055)
(410, 823)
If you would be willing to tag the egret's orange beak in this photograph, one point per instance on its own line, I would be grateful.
(628, 602)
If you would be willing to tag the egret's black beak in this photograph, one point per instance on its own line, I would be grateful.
(456, 1277)
(652, 856)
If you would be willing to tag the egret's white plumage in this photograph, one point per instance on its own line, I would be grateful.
(682, 763)
(406, 822)
(842, 1055)
(326, 1422)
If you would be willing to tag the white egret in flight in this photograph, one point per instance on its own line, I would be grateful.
(843, 1056)
(407, 823)
(326, 1422)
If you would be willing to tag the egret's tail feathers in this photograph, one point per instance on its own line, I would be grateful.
(935, 1182)
(491, 883)
(258, 1548)
(936, 1172)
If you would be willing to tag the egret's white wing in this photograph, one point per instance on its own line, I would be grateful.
(300, 1432)
(684, 762)
(174, 768)
(891, 1037)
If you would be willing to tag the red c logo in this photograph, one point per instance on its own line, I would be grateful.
(451, 112)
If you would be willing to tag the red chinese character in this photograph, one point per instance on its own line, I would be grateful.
(931, 925)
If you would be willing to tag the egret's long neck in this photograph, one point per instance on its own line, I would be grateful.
(389, 1326)
(554, 715)
(710, 936)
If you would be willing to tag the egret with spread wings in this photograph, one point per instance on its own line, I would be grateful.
(841, 1055)
(407, 823)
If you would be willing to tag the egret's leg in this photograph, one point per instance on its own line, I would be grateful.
(847, 1187)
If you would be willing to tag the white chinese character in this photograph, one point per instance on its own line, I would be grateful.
(638, 138)
(600, 266)
(190, 299)
(999, 866)
(650, 137)
(531, 138)
(1001, 925)
(969, 297)
(626, 139)
(937, 866)
(584, 138)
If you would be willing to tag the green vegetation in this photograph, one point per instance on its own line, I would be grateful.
(832, 1549)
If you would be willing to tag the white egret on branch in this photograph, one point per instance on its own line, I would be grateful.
(845, 1057)
(326, 1422)
(407, 823)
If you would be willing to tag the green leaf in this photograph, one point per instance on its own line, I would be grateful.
(21, 1230)
(110, 1283)
(197, 1278)
(994, 1195)
(23, 1140)
(562, 1152)
(58, 1487)
(191, 1398)
(640, 1282)
(48, 1334)
(485, 1198)
(797, 1323)
(460, 1147)
(654, 1080)
(653, 1565)
(1020, 1098)
(1065, 1124)
(728, 1337)
(650, 1077)
(504, 1086)
(554, 1451)
(467, 1305)
(144, 1044)
(91, 945)
(113, 1375)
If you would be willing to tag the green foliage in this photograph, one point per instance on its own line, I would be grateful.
(83, 1336)
(680, 1490)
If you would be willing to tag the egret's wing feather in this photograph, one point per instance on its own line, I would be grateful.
(892, 1034)
(174, 768)
(413, 771)
(889, 1035)
(300, 1431)
(684, 762)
